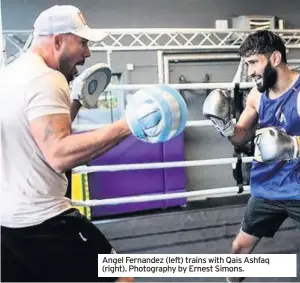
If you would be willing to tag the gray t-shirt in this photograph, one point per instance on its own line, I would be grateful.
(31, 191)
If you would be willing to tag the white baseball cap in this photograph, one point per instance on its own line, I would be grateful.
(61, 19)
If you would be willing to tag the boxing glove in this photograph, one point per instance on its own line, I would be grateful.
(272, 144)
(217, 108)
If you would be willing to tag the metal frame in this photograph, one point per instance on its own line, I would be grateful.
(178, 39)
(167, 58)
(158, 39)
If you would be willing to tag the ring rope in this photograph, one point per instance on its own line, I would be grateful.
(158, 165)
(143, 198)
(200, 123)
(232, 85)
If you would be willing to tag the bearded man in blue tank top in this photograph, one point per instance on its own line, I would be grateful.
(272, 117)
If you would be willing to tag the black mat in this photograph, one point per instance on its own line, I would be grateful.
(197, 231)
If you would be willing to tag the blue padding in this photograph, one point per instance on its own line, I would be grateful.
(182, 105)
(156, 92)
(134, 123)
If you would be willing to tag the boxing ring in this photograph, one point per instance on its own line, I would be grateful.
(163, 42)
(209, 226)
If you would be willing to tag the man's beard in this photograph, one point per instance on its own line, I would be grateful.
(269, 78)
(65, 67)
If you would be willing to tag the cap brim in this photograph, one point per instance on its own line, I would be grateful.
(94, 35)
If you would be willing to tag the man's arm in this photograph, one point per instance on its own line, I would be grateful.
(64, 151)
(49, 117)
(75, 107)
(245, 127)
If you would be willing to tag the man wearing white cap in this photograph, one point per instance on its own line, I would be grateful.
(43, 238)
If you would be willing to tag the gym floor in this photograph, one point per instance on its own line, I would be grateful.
(202, 229)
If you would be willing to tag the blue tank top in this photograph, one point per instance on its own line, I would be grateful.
(278, 180)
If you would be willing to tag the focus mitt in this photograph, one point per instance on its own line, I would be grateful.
(156, 114)
(88, 86)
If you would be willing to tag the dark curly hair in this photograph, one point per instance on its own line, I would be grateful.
(263, 42)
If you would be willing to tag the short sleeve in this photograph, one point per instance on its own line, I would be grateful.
(46, 95)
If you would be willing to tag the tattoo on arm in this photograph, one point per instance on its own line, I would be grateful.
(54, 131)
(48, 130)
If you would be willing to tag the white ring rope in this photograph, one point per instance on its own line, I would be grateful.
(200, 123)
(242, 85)
(158, 165)
(143, 198)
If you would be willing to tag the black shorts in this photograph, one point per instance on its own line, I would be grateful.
(64, 248)
(264, 217)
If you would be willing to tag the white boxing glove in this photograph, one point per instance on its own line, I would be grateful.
(88, 86)
(273, 144)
